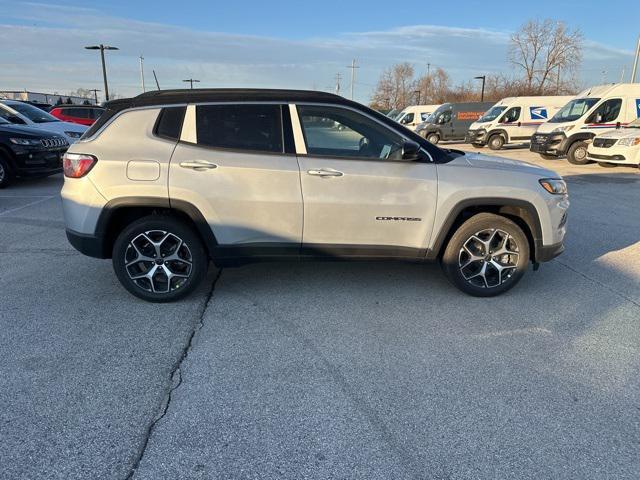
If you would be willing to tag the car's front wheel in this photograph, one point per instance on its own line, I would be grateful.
(159, 259)
(577, 153)
(486, 256)
(5, 172)
(433, 138)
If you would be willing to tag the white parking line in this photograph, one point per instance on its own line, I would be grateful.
(27, 205)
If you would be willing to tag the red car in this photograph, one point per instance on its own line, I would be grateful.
(82, 114)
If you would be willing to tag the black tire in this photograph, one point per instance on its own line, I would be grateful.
(433, 138)
(548, 157)
(134, 242)
(577, 153)
(6, 175)
(498, 232)
(607, 165)
(496, 142)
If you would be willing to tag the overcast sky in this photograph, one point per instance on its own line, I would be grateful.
(283, 44)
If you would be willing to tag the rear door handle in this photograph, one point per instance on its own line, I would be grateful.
(198, 165)
(325, 172)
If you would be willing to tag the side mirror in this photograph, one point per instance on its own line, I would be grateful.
(410, 151)
(617, 124)
(15, 119)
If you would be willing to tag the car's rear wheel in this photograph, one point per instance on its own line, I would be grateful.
(496, 142)
(6, 176)
(486, 256)
(433, 138)
(159, 259)
(577, 153)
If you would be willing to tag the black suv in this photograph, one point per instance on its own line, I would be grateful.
(29, 152)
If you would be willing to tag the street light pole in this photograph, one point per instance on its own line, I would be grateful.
(483, 78)
(102, 48)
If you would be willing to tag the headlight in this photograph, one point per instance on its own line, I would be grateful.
(556, 186)
(562, 129)
(629, 141)
(24, 141)
(73, 134)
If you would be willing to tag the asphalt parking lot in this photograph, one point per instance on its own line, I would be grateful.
(324, 370)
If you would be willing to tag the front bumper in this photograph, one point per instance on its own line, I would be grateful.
(554, 144)
(545, 253)
(38, 163)
(615, 154)
(476, 137)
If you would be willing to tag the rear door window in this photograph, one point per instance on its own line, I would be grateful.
(240, 127)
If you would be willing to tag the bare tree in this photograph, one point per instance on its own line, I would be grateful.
(542, 49)
(435, 87)
(395, 87)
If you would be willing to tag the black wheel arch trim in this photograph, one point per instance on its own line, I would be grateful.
(566, 143)
(522, 209)
(497, 131)
(101, 234)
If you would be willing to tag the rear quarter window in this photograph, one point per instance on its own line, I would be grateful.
(169, 123)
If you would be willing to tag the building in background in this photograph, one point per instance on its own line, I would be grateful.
(48, 98)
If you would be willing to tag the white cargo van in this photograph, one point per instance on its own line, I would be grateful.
(513, 120)
(411, 116)
(592, 112)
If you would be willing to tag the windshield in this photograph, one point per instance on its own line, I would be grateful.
(492, 114)
(33, 113)
(573, 110)
(393, 114)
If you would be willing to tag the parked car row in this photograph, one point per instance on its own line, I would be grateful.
(599, 124)
(33, 141)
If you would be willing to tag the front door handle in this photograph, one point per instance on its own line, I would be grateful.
(198, 165)
(325, 172)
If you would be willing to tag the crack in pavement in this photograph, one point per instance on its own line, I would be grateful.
(599, 282)
(176, 379)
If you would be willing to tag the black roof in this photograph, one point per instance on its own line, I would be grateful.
(167, 97)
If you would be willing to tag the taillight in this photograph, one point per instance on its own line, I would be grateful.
(77, 165)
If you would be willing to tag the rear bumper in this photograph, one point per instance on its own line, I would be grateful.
(87, 244)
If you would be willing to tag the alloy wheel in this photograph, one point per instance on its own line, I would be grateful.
(488, 258)
(158, 261)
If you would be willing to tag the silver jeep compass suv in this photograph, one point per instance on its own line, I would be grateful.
(167, 181)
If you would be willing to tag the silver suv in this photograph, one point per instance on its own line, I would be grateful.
(169, 180)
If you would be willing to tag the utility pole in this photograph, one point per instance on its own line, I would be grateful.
(191, 81)
(102, 48)
(353, 74)
(634, 71)
(622, 75)
(338, 77)
(142, 72)
(95, 94)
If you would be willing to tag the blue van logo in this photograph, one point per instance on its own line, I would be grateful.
(637, 107)
(539, 113)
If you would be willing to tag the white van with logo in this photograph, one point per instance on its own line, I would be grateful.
(592, 112)
(513, 120)
(412, 116)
